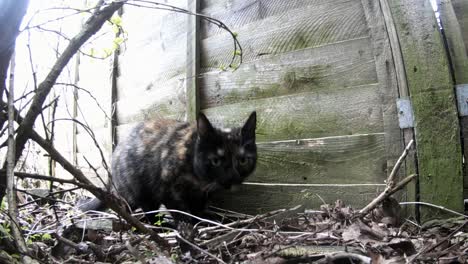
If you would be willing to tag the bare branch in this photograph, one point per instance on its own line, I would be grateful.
(92, 25)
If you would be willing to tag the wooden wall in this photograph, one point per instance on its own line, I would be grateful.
(323, 76)
(315, 73)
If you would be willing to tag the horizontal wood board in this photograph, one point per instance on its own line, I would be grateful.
(327, 67)
(310, 73)
(237, 13)
(347, 111)
(345, 159)
(299, 28)
(255, 199)
(155, 49)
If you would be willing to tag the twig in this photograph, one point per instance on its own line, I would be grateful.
(435, 206)
(11, 194)
(439, 243)
(115, 203)
(134, 252)
(385, 194)
(199, 248)
(400, 160)
(93, 24)
(390, 188)
(93, 137)
(161, 6)
(53, 179)
(89, 94)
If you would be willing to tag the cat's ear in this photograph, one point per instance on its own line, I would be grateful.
(204, 126)
(248, 130)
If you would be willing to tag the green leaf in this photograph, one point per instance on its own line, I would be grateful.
(116, 20)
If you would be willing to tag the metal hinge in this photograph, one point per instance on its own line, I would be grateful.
(405, 113)
(462, 99)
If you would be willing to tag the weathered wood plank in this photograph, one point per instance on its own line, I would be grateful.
(338, 65)
(300, 28)
(459, 60)
(238, 13)
(343, 159)
(454, 37)
(408, 134)
(352, 110)
(193, 62)
(155, 50)
(437, 129)
(388, 82)
(166, 100)
(461, 10)
(255, 199)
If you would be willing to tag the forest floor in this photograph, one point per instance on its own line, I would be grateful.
(336, 233)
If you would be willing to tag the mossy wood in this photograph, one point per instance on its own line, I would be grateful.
(454, 18)
(323, 76)
(299, 28)
(255, 199)
(431, 88)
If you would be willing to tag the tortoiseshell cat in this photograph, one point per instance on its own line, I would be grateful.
(178, 164)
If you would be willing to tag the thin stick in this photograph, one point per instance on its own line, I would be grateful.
(439, 243)
(400, 160)
(199, 248)
(435, 206)
(385, 194)
(11, 194)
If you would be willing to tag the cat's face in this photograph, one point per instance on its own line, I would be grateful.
(225, 157)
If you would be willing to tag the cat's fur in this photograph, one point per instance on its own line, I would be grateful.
(178, 164)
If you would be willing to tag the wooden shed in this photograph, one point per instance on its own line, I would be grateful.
(329, 80)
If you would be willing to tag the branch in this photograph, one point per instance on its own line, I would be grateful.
(11, 194)
(92, 25)
(113, 202)
(391, 187)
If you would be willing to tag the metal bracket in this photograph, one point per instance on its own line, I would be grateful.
(405, 113)
(462, 99)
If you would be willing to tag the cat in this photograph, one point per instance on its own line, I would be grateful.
(179, 164)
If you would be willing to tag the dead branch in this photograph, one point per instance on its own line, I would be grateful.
(390, 179)
(11, 194)
(112, 201)
(391, 187)
(14, 12)
(161, 6)
(430, 248)
(92, 25)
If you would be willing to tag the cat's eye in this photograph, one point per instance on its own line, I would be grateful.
(215, 162)
(243, 161)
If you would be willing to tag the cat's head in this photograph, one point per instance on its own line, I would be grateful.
(225, 156)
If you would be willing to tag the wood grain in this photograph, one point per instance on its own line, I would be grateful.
(344, 159)
(386, 73)
(461, 10)
(459, 60)
(192, 87)
(255, 199)
(155, 50)
(238, 13)
(167, 99)
(328, 67)
(437, 128)
(352, 110)
(309, 26)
